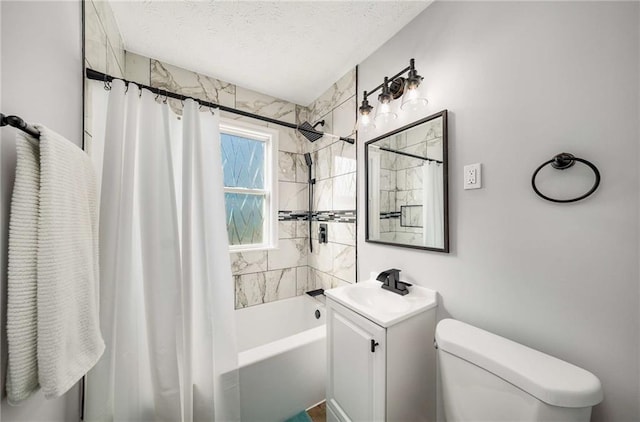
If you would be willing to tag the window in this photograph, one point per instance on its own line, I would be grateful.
(249, 162)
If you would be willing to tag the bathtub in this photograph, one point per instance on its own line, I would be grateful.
(282, 358)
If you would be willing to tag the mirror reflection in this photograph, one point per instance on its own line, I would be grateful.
(407, 186)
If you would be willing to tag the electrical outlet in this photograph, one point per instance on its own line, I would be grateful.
(472, 176)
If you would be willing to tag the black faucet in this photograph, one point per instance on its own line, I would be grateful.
(391, 281)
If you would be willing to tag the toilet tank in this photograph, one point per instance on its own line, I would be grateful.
(486, 377)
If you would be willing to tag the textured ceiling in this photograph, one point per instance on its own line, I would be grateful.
(292, 50)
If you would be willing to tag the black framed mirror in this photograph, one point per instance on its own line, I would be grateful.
(406, 186)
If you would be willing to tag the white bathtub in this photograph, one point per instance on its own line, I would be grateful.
(282, 358)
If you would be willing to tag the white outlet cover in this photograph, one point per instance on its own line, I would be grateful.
(472, 176)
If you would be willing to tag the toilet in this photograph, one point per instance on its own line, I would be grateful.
(485, 377)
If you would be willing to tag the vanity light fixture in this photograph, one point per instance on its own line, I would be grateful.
(393, 88)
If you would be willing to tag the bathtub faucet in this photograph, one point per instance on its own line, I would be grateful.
(391, 281)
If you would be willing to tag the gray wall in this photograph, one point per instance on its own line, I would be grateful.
(522, 82)
(41, 81)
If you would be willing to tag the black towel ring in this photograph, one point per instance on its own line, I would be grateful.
(563, 161)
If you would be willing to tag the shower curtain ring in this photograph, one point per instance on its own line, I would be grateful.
(107, 84)
(165, 97)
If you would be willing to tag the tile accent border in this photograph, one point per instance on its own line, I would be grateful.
(347, 216)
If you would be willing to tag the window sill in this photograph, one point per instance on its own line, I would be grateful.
(257, 248)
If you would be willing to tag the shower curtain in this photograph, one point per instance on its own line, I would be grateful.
(166, 295)
(433, 207)
(374, 193)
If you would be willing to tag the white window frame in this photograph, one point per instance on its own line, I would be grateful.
(270, 192)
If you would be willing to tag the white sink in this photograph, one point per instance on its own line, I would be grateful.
(383, 307)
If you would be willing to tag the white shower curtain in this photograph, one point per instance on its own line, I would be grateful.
(167, 298)
(374, 193)
(433, 205)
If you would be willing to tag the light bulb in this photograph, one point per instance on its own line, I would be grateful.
(384, 114)
(413, 100)
(365, 115)
(365, 120)
(366, 123)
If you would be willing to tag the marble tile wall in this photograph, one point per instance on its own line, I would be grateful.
(402, 180)
(104, 48)
(334, 263)
(408, 192)
(265, 276)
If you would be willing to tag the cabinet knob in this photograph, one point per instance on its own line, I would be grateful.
(373, 345)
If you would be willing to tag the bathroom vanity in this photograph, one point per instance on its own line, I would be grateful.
(381, 359)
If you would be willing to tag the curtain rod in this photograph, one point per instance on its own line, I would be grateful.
(99, 76)
(408, 154)
(17, 122)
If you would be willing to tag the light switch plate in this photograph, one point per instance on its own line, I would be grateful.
(472, 176)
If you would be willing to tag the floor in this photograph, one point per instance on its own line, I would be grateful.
(318, 413)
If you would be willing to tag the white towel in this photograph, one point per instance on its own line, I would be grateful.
(69, 338)
(22, 369)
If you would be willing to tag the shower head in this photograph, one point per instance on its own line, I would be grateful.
(309, 131)
(307, 158)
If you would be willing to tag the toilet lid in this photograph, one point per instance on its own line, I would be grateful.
(549, 379)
